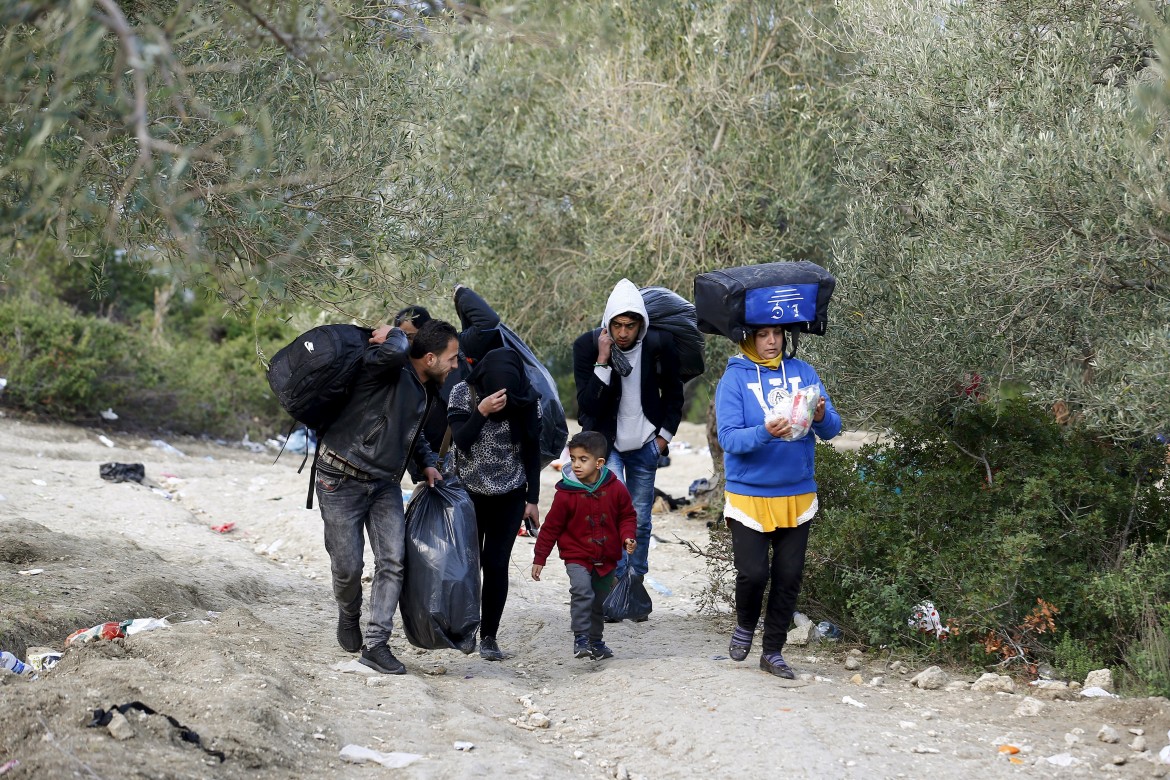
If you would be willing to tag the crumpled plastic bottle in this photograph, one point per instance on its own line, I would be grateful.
(13, 664)
(828, 631)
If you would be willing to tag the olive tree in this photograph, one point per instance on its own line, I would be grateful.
(1009, 224)
(653, 140)
(268, 152)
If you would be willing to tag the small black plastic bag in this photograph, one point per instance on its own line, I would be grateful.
(628, 600)
(122, 472)
(440, 588)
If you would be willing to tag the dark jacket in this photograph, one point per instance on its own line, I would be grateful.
(380, 429)
(588, 526)
(662, 387)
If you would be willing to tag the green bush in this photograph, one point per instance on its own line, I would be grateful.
(64, 365)
(69, 366)
(983, 516)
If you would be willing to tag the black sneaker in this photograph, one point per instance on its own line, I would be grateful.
(773, 663)
(381, 659)
(598, 650)
(489, 650)
(349, 631)
(581, 646)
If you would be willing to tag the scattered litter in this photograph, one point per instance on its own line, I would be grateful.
(352, 666)
(1062, 759)
(168, 449)
(104, 717)
(8, 766)
(31, 572)
(105, 440)
(718, 658)
(800, 619)
(699, 486)
(1164, 753)
(114, 630)
(854, 703)
(465, 746)
(163, 493)
(1011, 750)
(658, 586)
(924, 617)
(39, 482)
(270, 549)
(253, 446)
(356, 754)
(1095, 692)
(122, 472)
(3, 384)
(13, 664)
(300, 441)
(108, 414)
(828, 631)
(921, 749)
(223, 528)
(42, 658)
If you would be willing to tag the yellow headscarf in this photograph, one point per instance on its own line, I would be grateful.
(748, 347)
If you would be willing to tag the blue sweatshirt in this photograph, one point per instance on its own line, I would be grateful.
(757, 463)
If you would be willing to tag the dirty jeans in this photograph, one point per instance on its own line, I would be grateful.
(636, 469)
(753, 574)
(351, 508)
(587, 593)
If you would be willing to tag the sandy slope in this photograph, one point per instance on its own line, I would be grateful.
(258, 682)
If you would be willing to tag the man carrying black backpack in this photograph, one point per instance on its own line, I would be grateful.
(363, 456)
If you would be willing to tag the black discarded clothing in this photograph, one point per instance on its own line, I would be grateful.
(122, 472)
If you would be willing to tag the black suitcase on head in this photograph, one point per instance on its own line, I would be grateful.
(733, 301)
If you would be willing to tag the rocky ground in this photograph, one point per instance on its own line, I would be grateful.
(250, 664)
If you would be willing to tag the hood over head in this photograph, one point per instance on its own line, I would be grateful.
(625, 299)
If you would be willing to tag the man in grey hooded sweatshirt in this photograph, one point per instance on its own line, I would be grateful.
(629, 390)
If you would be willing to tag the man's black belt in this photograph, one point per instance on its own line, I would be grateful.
(334, 461)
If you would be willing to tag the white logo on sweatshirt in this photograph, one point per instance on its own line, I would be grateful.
(309, 345)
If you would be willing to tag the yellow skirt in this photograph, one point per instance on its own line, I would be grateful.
(765, 514)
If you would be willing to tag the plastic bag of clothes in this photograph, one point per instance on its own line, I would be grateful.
(674, 314)
(440, 588)
(628, 600)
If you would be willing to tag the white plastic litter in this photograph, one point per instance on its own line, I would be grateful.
(108, 414)
(1094, 692)
(105, 440)
(658, 586)
(356, 754)
(465, 746)
(1062, 759)
(1164, 753)
(852, 702)
(138, 625)
(31, 572)
(168, 449)
(924, 617)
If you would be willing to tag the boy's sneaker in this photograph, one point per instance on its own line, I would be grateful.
(381, 659)
(581, 646)
(349, 631)
(598, 650)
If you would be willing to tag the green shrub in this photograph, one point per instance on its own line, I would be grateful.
(984, 516)
(1074, 658)
(69, 366)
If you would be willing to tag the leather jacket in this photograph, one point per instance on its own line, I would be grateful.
(380, 429)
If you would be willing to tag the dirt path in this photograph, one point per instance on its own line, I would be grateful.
(259, 682)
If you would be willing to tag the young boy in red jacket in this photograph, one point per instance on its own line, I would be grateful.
(591, 519)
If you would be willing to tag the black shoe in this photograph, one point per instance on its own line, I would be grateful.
(773, 663)
(609, 619)
(349, 631)
(598, 650)
(581, 646)
(489, 650)
(738, 650)
(381, 659)
(641, 618)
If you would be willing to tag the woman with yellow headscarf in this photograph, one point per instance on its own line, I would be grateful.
(767, 404)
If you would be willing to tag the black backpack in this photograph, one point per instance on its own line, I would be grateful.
(312, 377)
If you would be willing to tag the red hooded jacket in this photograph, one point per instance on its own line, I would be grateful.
(588, 526)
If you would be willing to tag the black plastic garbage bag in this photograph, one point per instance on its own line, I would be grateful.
(674, 314)
(122, 472)
(440, 588)
(554, 431)
(628, 600)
